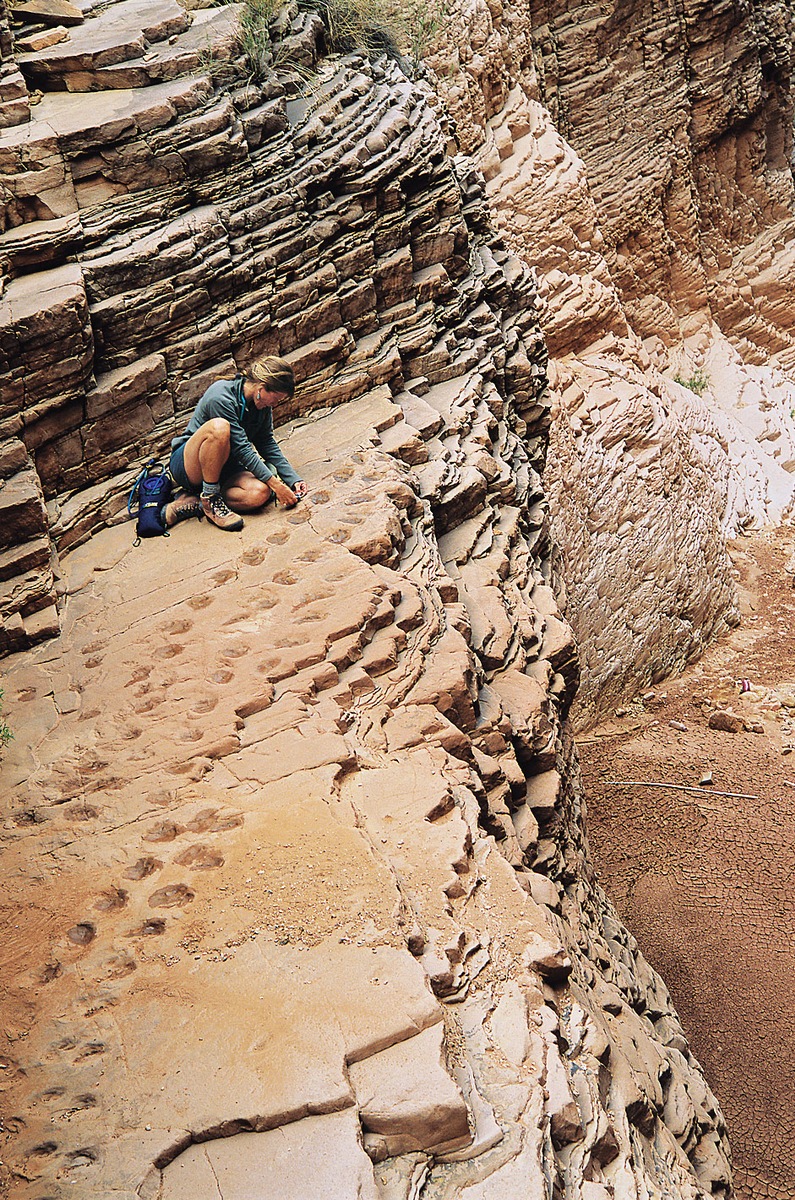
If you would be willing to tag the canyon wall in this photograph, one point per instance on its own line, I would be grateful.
(293, 815)
(640, 161)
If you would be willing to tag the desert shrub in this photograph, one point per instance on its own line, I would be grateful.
(401, 29)
(5, 733)
(698, 381)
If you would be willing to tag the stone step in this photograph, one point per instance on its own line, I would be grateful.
(47, 13)
(120, 33)
(86, 123)
(212, 39)
(14, 100)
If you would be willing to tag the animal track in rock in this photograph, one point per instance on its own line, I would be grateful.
(308, 556)
(206, 705)
(223, 576)
(111, 900)
(11, 1068)
(94, 648)
(25, 694)
(269, 664)
(199, 858)
(357, 499)
(352, 520)
(172, 896)
(131, 733)
(31, 817)
(287, 578)
(51, 971)
(319, 498)
(306, 617)
(92, 663)
(82, 1102)
(82, 934)
(237, 650)
(210, 820)
(43, 1150)
(164, 831)
(90, 1050)
(298, 518)
(74, 1105)
(151, 928)
(190, 735)
(221, 676)
(279, 537)
(143, 868)
(180, 625)
(339, 536)
(139, 675)
(171, 651)
(317, 594)
(78, 1159)
(337, 574)
(199, 602)
(343, 474)
(118, 966)
(253, 558)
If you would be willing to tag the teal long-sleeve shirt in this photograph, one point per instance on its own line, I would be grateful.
(253, 446)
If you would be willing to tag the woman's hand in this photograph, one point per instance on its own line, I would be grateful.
(283, 494)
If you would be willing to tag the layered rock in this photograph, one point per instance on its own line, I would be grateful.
(654, 200)
(14, 101)
(623, 253)
(304, 798)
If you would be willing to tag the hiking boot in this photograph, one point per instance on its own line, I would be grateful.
(186, 505)
(215, 510)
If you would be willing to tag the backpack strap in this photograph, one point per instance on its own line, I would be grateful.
(134, 489)
(241, 379)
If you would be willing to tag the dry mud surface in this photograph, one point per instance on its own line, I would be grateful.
(704, 881)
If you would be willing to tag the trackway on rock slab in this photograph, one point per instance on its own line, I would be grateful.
(704, 881)
(251, 916)
(170, 800)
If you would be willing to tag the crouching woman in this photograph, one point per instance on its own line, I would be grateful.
(228, 461)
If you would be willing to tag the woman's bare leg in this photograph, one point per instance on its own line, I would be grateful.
(207, 451)
(243, 492)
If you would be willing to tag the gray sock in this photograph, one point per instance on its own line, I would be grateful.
(211, 489)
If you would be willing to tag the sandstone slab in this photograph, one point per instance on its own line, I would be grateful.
(319, 1156)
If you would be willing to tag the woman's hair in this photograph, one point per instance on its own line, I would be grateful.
(274, 373)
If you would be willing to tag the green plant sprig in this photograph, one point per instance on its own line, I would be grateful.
(5, 733)
(698, 382)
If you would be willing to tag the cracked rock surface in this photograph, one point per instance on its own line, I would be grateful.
(272, 895)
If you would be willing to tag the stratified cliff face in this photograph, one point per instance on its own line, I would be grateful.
(688, 158)
(294, 815)
(639, 159)
(656, 211)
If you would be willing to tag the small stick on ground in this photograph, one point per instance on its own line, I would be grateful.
(679, 787)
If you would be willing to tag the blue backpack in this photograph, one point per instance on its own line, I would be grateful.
(148, 498)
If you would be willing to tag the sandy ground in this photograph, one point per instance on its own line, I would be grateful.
(704, 880)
